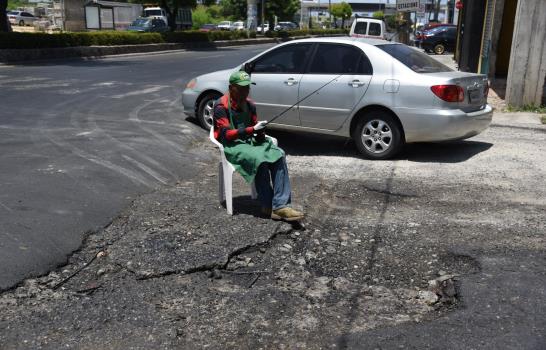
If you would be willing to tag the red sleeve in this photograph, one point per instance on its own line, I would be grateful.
(222, 126)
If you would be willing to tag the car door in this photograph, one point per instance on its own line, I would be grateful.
(346, 72)
(451, 38)
(277, 74)
(27, 17)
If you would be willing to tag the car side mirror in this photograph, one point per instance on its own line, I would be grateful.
(248, 67)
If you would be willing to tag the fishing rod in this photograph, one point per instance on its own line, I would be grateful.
(303, 99)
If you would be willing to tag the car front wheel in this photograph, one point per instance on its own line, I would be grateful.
(378, 135)
(206, 110)
(22, 23)
(439, 49)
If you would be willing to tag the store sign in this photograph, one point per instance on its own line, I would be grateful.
(407, 5)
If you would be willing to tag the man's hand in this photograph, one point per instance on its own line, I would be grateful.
(260, 125)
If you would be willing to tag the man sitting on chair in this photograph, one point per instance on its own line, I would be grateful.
(253, 155)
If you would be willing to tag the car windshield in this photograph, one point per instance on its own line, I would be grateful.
(415, 60)
(141, 22)
(153, 12)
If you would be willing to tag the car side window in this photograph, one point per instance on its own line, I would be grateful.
(26, 14)
(375, 29)
(361, 28)
(340, 59)
(286, 59)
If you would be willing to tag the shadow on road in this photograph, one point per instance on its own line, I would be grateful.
(307, 144)
(300, 144)
(444, 152)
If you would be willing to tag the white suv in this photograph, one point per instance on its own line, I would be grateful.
(368, 28)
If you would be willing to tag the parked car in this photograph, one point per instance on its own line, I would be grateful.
(144, 24)
(286, 26)
(21, 18)
(368, 28)
(381, 94)
(439, 40)
(240, 25)
(419, 35)
(266, 27)
(224, 25)
(208, 27)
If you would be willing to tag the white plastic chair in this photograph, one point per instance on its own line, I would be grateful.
(225, 175)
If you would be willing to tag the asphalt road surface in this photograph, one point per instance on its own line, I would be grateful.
(80, 139)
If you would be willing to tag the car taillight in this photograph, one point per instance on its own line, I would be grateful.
(449, 93)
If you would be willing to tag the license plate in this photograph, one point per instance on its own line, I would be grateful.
(474, 95)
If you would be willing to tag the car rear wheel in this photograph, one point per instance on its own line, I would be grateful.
(22, 23)
(206, 109)
(439, 49)
(378, 135)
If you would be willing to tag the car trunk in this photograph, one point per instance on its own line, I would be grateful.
(474, 86)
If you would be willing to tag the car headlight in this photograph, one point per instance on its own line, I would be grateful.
(191, 84)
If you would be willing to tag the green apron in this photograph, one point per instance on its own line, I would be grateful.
(246, 154)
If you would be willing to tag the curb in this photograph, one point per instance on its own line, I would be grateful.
(21, 55)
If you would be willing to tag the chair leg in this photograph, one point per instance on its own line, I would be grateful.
(221, 195)
(253, 192)
(228, 177)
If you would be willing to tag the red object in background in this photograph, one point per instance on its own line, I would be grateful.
(459, 5)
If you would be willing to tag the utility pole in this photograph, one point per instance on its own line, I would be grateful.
(330, 12)
(263, 12)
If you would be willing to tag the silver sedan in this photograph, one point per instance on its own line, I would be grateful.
(21, 18)
(381, 94)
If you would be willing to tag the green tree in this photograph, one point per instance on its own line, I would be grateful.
(234, 9)
(215, 11)
(342, 10)
(378, 15)
(283, 9)
(200, 16)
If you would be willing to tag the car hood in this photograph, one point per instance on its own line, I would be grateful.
(136, 29)
(219, 78)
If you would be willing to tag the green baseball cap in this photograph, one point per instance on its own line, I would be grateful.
(240, 78)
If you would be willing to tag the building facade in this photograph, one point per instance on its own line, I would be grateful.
(506, 39)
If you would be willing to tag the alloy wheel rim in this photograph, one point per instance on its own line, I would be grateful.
(439, 50)
(208, 112)
(377, 136)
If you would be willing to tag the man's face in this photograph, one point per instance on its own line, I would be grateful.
(239, 93)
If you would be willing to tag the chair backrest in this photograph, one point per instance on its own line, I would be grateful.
(214, 140)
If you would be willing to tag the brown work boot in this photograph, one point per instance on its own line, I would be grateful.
(286, 214)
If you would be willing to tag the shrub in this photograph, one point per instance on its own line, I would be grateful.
(304, 32)
(15, 40)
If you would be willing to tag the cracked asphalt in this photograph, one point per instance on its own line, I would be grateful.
(175, 271)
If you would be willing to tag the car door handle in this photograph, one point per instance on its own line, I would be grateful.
(356, 83)
(291, 81)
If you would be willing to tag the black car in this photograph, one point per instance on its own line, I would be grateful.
(439, 40)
